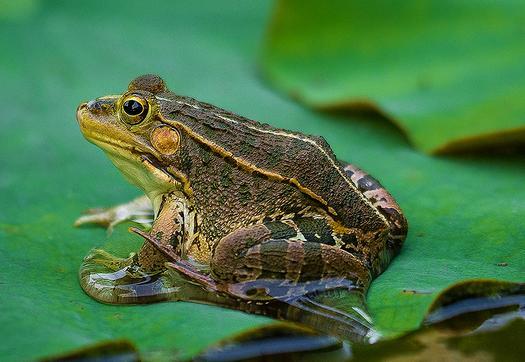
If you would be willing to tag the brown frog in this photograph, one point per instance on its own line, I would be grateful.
(235, 200)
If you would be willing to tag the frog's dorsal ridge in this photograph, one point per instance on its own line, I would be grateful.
(248, 142)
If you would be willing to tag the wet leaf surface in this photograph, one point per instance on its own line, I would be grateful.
(449, 74)
(428, 344)
(475, 320)
(465, 214)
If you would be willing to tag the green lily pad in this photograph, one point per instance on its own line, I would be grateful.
(449, 74)
(465, 214)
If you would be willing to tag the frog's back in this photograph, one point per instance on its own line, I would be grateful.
(306, 162)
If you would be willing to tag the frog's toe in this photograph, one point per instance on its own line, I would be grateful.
(98, 216)
(138, 210)
(107, 261)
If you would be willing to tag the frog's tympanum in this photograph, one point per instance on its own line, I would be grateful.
(249, 214)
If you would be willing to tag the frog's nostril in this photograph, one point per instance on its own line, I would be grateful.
(81, 106)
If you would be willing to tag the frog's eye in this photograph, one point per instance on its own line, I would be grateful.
(134, 109)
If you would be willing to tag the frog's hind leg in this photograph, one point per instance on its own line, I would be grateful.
(178, 263)
(277, 251)
(317, 284)
(263, 269)
(138, 210)
(271, 253)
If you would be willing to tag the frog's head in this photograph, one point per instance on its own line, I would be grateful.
(130, 130)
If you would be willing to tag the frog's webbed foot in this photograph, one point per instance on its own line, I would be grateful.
(138, 210)
(114, 280)
(108, 261)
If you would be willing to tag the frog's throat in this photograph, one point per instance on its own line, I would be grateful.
(141, 170)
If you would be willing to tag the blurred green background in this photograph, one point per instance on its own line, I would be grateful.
(449, 73)
(465, 211)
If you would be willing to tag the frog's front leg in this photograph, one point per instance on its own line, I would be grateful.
(139, 278)
(138, 210)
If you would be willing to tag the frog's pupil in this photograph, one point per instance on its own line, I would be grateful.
(133, 108)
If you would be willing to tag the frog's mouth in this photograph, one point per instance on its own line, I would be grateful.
(139, 163)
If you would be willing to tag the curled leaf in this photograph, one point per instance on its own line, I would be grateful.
(449, 74)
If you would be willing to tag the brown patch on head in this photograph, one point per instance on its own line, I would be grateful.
(165, 139)
(149, 82)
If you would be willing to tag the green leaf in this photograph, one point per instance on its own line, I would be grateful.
(465, 214)
(449, 74)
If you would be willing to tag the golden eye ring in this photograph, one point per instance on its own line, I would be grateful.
(134, 109)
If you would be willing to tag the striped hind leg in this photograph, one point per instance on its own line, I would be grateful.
(273, 256)
(278, 251)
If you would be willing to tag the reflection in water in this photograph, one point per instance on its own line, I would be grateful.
(109, 351)
(278, 343)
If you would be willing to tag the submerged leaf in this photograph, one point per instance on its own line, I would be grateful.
(475, 319)
(431, 343)
(449, 74)
(477, 305)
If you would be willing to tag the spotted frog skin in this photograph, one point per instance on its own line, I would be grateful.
(249, 201)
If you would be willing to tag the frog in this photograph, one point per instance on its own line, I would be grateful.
(233, 201)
